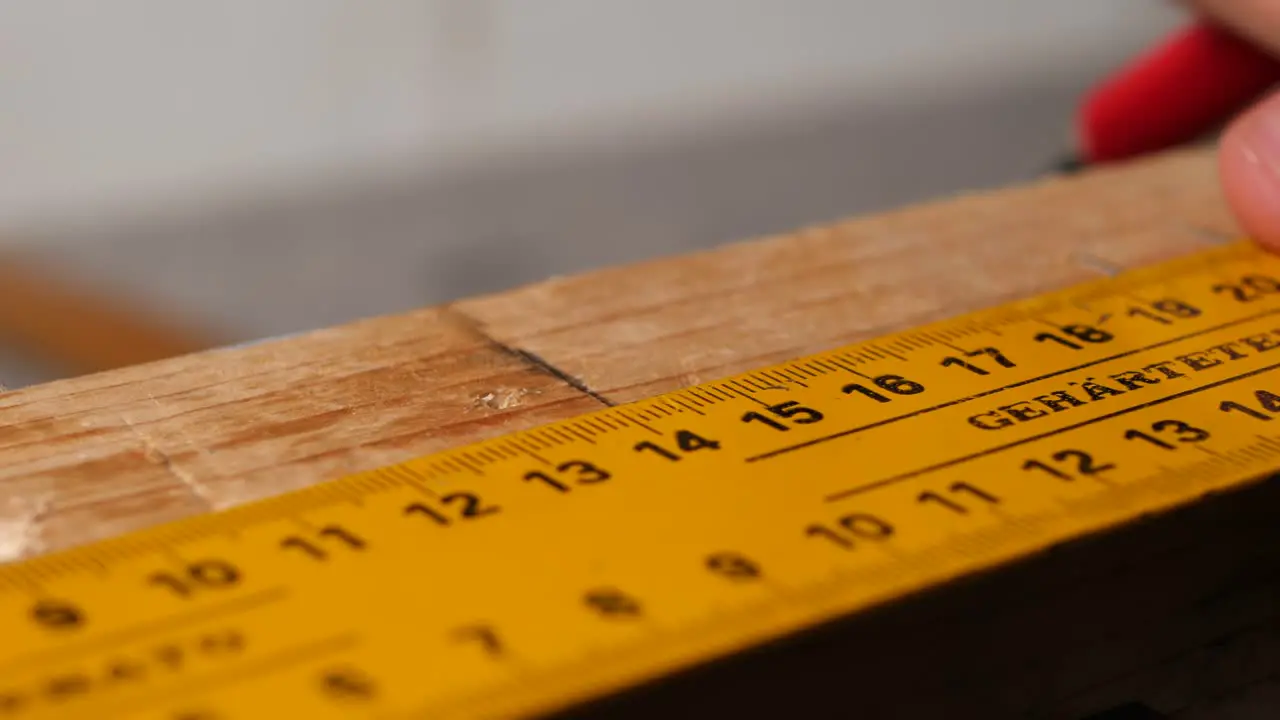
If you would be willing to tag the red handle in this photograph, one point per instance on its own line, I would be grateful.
(1173, 94)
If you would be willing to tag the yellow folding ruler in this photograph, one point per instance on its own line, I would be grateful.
(543, 569)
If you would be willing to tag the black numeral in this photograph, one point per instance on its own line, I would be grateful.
(483, 635)
(1084, 464)
(1082, 333)
(1165, 309)
(956, 489)
(1266, 400)
(219, 642)
(202, 574)
(895, 384)
(1249, 288)
(466, 506)
(855, 526)
(222, 641)
(1181, 431)
(733, 565)
(329, 532)
(686, 441)
(62, 687)
(990, 352)
(789, 410)
(57, 615)
(611, 602)
(347, 684)
(582, 472)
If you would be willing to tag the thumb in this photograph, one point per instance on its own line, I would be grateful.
(1249, 164)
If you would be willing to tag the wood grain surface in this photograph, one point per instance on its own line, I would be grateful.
(105, 453)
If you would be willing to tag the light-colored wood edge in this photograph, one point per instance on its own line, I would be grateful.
(102, 454)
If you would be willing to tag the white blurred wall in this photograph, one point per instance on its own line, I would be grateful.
(114, 108)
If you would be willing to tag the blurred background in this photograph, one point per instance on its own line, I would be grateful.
(179, 174)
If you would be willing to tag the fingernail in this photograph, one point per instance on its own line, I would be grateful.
(1258, 142)
(1250, 168)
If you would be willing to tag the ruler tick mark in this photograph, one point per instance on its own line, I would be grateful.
(816, 368)
(466, 460)
(883, 354)
(691, 409)
(753, 399)
(691, 398)
(551, 437)
(413, 482)
(535, 456)
(828, 366)
(849, 358)
(581, 433)
(717, 393)
(695, 392)
(639, 423)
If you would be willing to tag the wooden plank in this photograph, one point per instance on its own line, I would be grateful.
(102, 454)
(635, 331)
